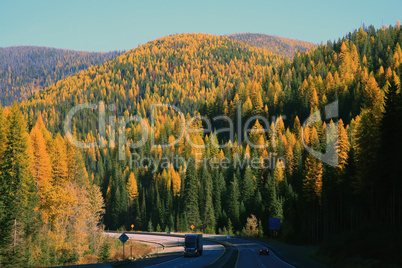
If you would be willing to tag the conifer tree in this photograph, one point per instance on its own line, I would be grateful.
(42, 171)
(279, 172)
(16, 183)
(208, 219)
(132, 189)
(343, 146)
(367, 138)
(218, 189)
(191, 194)
(255, 94)
(75, 164)
(312, 181)
(58, 158)
(274, 206)
(391, 146)
(233, 205)
(257, 136)
(247, 188)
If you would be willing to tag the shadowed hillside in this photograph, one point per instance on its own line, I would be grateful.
(24, 70)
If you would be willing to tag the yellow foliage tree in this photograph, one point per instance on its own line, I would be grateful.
(132, 188)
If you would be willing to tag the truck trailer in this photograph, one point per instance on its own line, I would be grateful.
(193, 245)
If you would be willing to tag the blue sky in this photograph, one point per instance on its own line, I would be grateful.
(122, 25)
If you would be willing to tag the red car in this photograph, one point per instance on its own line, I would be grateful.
(264, 251)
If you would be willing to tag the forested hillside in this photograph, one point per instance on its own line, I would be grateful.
(212, 76)
(285, 47)
(24, 70)
(61, 180)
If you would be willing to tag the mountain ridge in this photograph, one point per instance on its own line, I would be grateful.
(286, 47)
(25, 70)
(48, 65)
(197, 54)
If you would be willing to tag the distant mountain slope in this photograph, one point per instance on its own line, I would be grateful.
(285, 47)
(184, 70)
(194, 72)
(25, 70)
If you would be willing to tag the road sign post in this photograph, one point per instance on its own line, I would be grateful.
(132, 227)
(123, 238)
(274, 226)
(192, 227)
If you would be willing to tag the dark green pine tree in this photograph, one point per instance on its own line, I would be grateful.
(230, 228)
(290, 212)
(201, 198)
(274, 205)
(169, 210)
(391, 147)
(219, 188)
(367, 145)
(124, 216)
(191, 195)
(150, 226)
(208, 217)
(296, 178)
(157, 211)
(242, 213)
(258, 208)
(137, 213)
(171, 222)
(143, 211)
(233, 202)
(116, 208)
(247, 188)
(18, 193)
(183, 224)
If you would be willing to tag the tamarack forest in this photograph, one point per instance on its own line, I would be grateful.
(56, 198)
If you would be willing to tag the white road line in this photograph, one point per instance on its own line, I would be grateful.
(158, 264)
(260, 262)
(271, 252)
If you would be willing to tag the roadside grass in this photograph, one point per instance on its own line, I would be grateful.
(137, 249)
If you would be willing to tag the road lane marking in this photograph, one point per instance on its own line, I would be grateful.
(224, 250)
(258, 258)
(272, 253)
(238, 254)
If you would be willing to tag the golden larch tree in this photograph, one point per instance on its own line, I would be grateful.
(132, 188)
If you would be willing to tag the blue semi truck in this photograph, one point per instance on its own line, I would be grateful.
(193, 245)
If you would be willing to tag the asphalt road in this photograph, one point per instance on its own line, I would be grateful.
(245, 253)
(171, 248)
(249, 253)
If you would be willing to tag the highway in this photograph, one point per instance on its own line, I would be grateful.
(171, 253)
(249, 253)
(236, 252)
